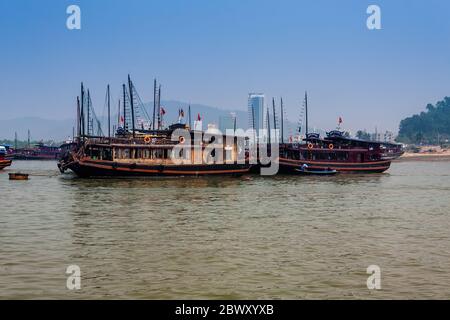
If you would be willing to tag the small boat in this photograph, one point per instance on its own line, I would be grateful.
(18, 176)
(326, 172)
(3, 161)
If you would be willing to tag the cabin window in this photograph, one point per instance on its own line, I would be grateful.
(342, 156)
(94, 153)
(360, 157)
(106, 154)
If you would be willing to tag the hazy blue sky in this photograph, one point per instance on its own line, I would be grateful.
(215, 52)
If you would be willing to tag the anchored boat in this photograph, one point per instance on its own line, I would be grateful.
(135, 151)
(3, 161)
(148, 155)
(334, 152)
(38, 152)
(337, 152)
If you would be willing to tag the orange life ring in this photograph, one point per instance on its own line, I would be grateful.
(147, 139)
(310, 146)
(181, 139)
(331, 146)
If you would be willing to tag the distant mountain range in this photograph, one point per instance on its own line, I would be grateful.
(60, 130)
(40, 129)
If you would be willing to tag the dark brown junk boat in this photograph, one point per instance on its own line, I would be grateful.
(337, 152)
(134, 151)
(38, 152)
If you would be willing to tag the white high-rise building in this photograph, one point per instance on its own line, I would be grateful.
(256, 111)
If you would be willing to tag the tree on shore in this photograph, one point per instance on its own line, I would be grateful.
(429, 127)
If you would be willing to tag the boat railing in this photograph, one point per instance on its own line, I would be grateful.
(98, 140)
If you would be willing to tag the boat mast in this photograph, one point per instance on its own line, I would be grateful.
(306, 113)
(159, 107)
(130, 86)
(189, 114)
(118, 115)
(268, 125)
(282, 121)
(88, 113)
(154, 103)
(109, 113)
(274, 116)
(124, 109)
(82, 119)
(78, 117)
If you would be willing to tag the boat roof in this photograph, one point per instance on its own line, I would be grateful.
(338, 135)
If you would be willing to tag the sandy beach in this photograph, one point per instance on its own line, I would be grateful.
(443, 155)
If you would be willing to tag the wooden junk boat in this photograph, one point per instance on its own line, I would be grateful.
(3, 161)
(139, 152)
(337, 152)
(143, 155)
(38, 152)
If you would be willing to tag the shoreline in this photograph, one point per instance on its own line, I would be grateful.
(438, 156)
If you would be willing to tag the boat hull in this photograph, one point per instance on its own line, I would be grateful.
(18, 176)
(291, 166)
(96, 168)
(5, 163)
(35, 157)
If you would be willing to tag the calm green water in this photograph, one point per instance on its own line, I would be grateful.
(280, 237)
